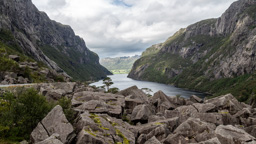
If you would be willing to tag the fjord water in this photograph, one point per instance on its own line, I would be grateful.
(122, 82)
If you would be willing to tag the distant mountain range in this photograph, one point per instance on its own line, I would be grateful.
(214, 55)
(119, 65)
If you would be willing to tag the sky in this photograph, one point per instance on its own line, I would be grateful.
(114, 28)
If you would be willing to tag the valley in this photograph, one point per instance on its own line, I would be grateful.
(197, 87)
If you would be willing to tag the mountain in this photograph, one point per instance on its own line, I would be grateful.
(213, 55)
(119, 64)
(33, 34)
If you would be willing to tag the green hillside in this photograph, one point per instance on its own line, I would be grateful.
(119, 65)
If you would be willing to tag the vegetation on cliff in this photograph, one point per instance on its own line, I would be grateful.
(214, 55)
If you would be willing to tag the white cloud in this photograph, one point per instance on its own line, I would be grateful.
(127, 27)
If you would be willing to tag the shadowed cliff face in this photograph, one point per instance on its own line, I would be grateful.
(210, 50)
(48, 41)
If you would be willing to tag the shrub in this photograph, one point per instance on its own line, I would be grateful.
(65, 103)
(20, 114)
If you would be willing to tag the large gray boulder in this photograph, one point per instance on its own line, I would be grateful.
(102, 127)
(159, 129)
(54, 122)
(214, 118)
(203, 108)
(134, 93)
(195, 99)
(53, 139)
(142, 113)
(153, 140)
(97, 102)
(227, 102)
(210, 141)
(231, 135)
(88, 138)
(55, 91)
(194, 127)
(175, 139)
(162, 102)
(251, 130)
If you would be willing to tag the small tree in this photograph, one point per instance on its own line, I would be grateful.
(113, 90)
(107, 82)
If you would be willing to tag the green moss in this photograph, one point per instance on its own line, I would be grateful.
(158, 123)
(119, 133)
(224, 112)
(90, 132)
(96, 119)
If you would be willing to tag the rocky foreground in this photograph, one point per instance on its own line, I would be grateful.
(131, 117)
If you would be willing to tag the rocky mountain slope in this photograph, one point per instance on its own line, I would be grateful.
(131, 117)
(47, 41)
(214, 55)
(119, 63)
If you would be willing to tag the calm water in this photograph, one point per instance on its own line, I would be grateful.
(122, 82)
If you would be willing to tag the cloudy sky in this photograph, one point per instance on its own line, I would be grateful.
(127, 27)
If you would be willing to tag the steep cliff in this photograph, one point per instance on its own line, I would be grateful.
(213, 55)
(48, 41)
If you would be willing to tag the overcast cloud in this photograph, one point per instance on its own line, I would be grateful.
(126, 27)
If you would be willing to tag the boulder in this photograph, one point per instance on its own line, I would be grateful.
(193, 127)
(203, 108)
(178, 101)
(104, 128)
(55, 91)
(160, 132)
(154, 118)
(183, 112)
(210, 141)
(250, 121)
(175, 139)
(14, 57)
(134, 93)
(55, 94)
(231, 135)
(22, 80)
(54, 122)
(85, 96)
(214, 118)
(99, 106)
(88, 138)
(53, 139)
(153, 140)
(244, 113)
(162, 102)
(159, 129)
(141, 113)
(196, 99)
(251, 130)
(130, 104)
(226, 102)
